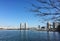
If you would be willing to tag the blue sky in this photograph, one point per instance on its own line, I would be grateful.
(12, 13)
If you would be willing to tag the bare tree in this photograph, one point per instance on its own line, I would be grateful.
(46, 9)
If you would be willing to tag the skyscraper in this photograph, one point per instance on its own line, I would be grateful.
(20, 26)
(39, 26)
(48, 25)
(25, 26)
(53, 26)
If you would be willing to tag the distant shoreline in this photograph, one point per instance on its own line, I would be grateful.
(20, 30)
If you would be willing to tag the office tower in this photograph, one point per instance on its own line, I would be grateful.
(39, 26)
(20, 26)
(25, 26)
(53, 26)
(48, 25)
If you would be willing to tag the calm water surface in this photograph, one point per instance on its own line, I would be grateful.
(17, 35)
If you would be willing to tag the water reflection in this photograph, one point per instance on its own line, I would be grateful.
(39, 36)
(48, 37)
(28, 35)
(53, 36)
(24, 35)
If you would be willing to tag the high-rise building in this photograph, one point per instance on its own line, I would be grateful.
(20, 26)
(39, 26)
(25, 26)
(54, 26)
(48, 25)
(57, 24)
